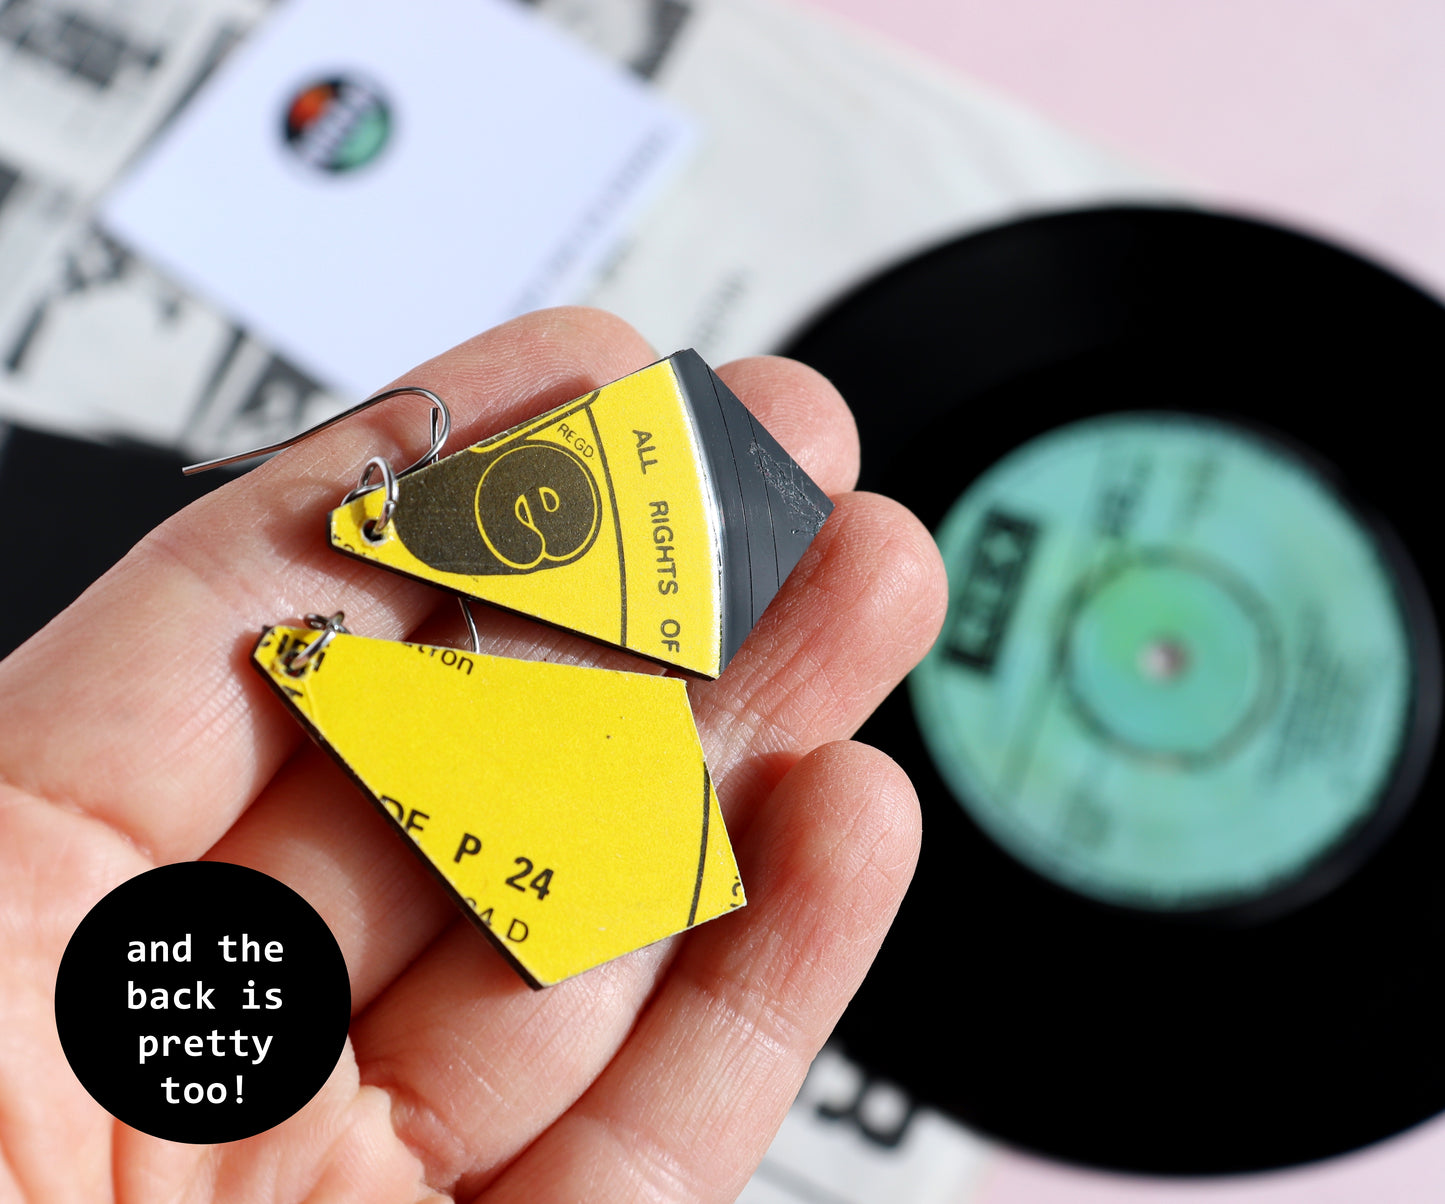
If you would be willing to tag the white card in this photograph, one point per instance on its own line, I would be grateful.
(448, 164)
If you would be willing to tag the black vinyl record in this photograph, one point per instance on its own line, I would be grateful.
(1181, 902)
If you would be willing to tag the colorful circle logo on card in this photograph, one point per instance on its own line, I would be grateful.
(338, 124)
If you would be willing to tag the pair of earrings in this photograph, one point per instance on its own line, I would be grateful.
(567, 810)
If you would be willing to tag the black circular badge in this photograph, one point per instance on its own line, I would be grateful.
(202, 1002)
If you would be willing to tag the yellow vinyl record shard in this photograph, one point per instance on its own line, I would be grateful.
(568, 810)
(656, 514)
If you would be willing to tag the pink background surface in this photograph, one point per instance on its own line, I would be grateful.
(1328, 114)
(1325, 114)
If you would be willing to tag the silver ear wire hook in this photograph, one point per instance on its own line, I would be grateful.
(441, 427)
(471, 625)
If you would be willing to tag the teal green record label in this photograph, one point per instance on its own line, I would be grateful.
(1175, 671)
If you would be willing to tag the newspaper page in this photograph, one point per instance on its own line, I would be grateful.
(92, 341)
(854, 1139)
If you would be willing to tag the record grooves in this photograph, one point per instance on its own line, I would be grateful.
(1275, 996)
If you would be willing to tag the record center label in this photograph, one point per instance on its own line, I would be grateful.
(1175, 672)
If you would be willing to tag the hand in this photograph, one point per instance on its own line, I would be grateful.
(136, 734)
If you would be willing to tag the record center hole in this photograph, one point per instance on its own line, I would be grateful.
(1164, 659)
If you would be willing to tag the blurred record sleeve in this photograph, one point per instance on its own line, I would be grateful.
(821, 158)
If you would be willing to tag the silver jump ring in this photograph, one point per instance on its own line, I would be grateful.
(330, 626)
(374, 531)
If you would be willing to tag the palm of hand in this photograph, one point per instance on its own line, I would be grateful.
(137, 735)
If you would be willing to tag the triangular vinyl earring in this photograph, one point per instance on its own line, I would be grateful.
(655, 514)
(568, 810)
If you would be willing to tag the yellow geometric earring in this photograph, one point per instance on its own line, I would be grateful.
(655, 514)
(567, 810)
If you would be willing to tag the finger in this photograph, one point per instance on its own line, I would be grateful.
(339, 1147)
(801, 402)
(689, 1105)
(52, 871)
(477, 1064)
(861, 610)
